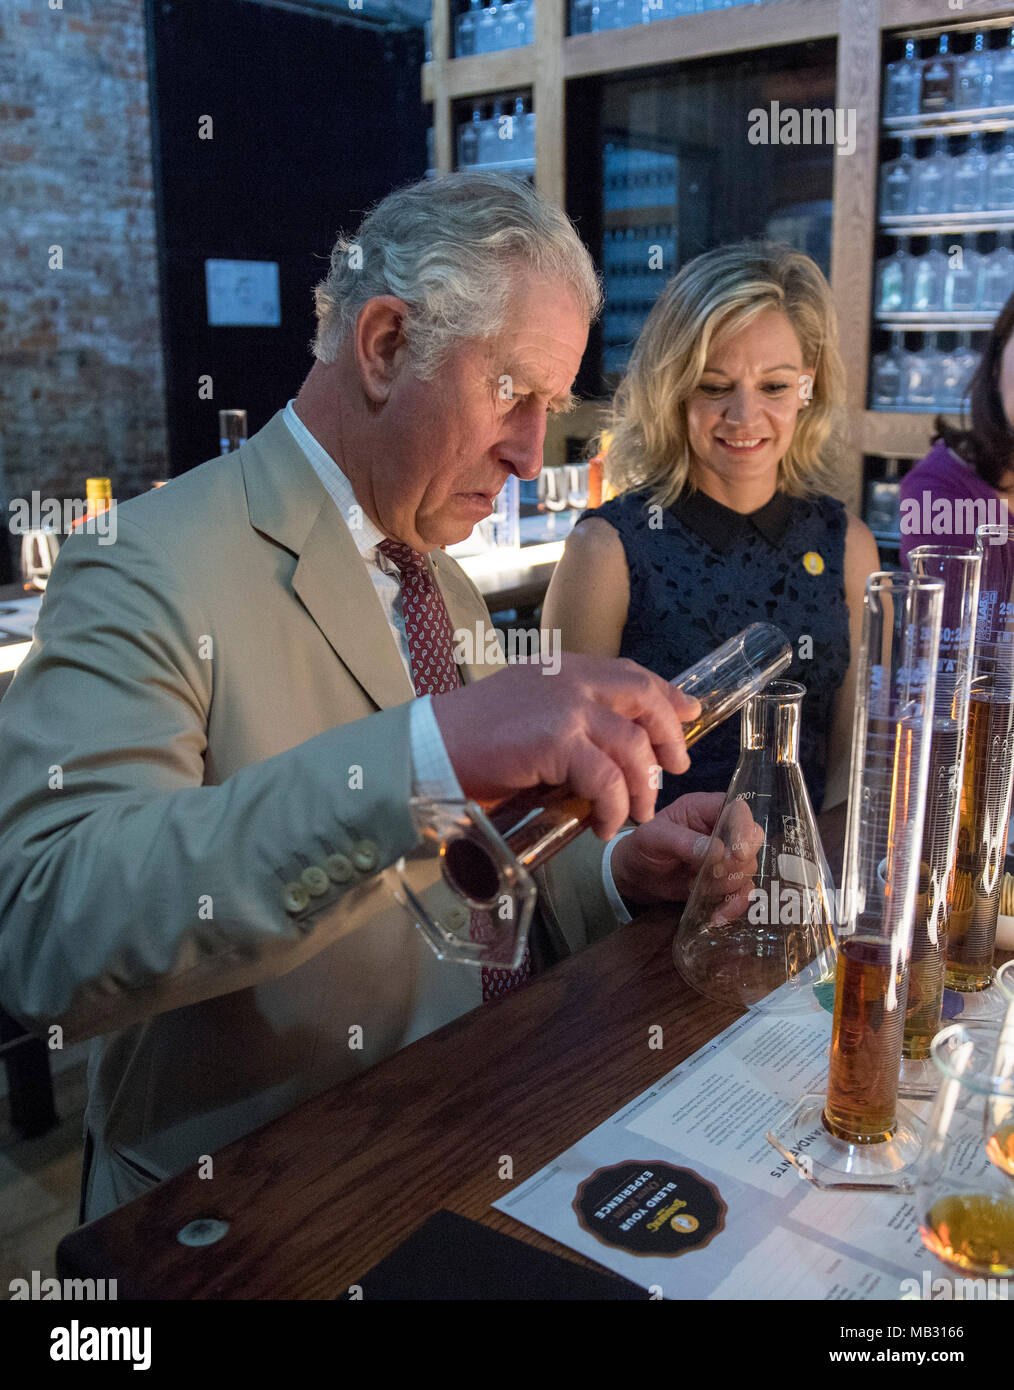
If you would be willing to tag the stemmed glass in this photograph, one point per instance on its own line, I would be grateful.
(577, 494)
(553, 494)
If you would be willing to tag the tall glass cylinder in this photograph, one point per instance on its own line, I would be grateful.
(986, 783)
(857, 1135)
(959, 571)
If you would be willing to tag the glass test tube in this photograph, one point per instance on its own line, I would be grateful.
(857, 1136)
(537, 823)
(959, 571)
(986, 784)
(469, 859)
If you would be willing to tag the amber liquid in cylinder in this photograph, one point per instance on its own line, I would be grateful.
(973, 1231)
(928, 962)
(866, 1039)
(982, 843)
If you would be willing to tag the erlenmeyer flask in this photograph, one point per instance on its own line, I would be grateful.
(768, 943)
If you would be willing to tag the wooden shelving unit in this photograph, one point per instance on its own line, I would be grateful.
(857, 25)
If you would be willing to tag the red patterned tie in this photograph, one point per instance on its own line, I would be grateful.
(430, 650)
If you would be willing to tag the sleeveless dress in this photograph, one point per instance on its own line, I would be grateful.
(700, 573)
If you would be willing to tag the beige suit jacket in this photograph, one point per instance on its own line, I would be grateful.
(176, 747)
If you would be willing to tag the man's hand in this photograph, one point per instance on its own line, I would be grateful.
(599, 725)
(659, 861)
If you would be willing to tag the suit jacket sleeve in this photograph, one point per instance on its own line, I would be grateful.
(127, 886)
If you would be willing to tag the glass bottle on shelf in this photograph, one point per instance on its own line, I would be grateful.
(1000, 178)
(968, 183)
(932, 193)
(528, 132)
(581, 17)
(468, 139)
(949, 372)
(923, 366)
(966, 361)
(961, 279)
(490, 149)
(896, 181)
(975, 77)
(928, 278)
(515, 149)
(904, 84)
(465, 26)
(938, 80)
(997, 275)
(883, 509)
(1003, 74)
(508, 24)
(487, 32)
(894, 280)
(890, 374)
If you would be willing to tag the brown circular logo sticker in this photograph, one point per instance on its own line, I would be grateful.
(650, 1208)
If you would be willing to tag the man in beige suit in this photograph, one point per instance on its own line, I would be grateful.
(209, 751)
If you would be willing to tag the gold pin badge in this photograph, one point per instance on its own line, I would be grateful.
(813, 563)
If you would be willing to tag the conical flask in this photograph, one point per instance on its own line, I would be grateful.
(767, 944)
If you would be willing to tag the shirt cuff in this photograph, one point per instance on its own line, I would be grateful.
(432, 773)
(611, 891)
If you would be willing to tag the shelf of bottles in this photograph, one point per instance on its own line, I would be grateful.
(499, 135)
(638, 241)
(491, 28)
(948, 209)
(592, 16)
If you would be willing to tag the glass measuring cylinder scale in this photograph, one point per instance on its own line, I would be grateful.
(856, 1135)
(959, 571)
(472, 859)
(769, 942)
(986, 784)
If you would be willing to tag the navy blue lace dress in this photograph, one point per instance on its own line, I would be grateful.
(700, 573)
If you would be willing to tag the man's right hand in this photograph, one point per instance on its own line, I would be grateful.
(599, 725)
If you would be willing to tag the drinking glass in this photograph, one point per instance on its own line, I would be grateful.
(965, 1174)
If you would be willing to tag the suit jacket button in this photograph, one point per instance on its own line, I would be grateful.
(314, 880)
(339, 868)
(294, 897)
(364, 856)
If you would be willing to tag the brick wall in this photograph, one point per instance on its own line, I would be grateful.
(81, 383)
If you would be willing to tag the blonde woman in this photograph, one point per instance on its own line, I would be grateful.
(721, 434)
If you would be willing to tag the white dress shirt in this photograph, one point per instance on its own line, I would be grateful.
(432, 772)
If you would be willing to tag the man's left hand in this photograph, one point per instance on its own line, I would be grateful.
(659, 861)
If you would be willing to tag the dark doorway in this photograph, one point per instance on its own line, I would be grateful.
(313, 120)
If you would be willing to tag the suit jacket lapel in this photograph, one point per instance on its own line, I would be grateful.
(288, 502)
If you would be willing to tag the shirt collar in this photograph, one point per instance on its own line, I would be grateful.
(720, 525)
(366, 536)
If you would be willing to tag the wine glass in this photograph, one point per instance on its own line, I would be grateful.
(577, 494)
(553, 494)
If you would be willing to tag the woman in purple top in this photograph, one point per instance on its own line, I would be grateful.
(967, 478)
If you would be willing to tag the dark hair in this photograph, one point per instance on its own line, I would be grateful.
(987, 442)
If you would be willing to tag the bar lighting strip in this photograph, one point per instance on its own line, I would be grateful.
(496, 561)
